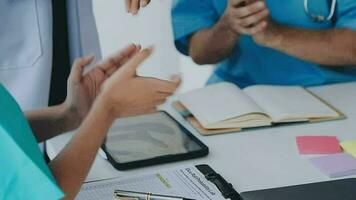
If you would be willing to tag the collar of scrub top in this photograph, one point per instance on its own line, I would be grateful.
(321, 18)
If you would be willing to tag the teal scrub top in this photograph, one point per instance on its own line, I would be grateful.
(23, 171)
(252, 64)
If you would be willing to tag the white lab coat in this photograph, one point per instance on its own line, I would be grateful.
(26, 50)
(83, 33)
(26, 45)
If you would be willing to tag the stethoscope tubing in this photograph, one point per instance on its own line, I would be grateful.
(320, 18)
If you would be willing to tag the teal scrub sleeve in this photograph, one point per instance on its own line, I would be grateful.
(190, 16)
(23, 171)
(346, 14)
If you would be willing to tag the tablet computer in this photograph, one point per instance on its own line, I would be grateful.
(152, 139)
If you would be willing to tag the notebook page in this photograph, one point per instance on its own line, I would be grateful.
(219, 102)
(185, 182)
(289, 102)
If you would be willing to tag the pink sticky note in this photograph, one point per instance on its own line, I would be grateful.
(318, 145)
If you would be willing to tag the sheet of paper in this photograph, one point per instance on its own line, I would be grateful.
(289, 102)
(185, 182)
(151, 27)
(349, 147)
(217, 103)
(336, 165)
(318, 145)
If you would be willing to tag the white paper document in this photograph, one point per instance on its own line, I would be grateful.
(151, 27)
(186, 182)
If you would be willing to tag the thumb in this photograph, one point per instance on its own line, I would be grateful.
(131, 66)
(78, 68)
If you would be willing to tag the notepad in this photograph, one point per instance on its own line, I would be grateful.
(336, 165)
(224, 107)
(349, 147)
(318, 145)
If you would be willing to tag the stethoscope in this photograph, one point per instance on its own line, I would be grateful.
(321, 18)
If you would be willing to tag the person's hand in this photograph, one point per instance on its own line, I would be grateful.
(82, 90)
(246, 17)
(133, 6)
(269, 36)
(126, 94)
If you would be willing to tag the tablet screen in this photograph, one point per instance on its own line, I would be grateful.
(147, 137)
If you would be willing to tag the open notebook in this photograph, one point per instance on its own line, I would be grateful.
(224, 107)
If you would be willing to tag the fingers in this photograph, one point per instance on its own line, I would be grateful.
(236, 3)
(253, 19)
(250, 9)
(255, 29)
(112, 63)
(165, 87)
(131, 66)
(144, 3)
(128, 5)
(133, 6)
(250, 18)
(78, 68)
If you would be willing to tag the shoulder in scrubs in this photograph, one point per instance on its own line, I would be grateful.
(23, 171)
(251, 64)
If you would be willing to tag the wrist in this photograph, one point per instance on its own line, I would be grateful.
(224, 26)
(272, 37)
(70, 115)
(105, 107)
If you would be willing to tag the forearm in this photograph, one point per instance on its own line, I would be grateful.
(210, 46)
(50, 122)
(325, 47)
(72, 165)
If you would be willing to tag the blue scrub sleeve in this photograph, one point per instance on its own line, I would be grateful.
(346, 14)
(23, 172)
(190, 16)
(21, 178)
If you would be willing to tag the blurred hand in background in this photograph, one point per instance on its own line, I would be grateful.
(133, 6)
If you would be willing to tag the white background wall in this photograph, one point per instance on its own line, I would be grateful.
(151, 27)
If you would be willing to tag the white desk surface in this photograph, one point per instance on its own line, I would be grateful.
(254, 159)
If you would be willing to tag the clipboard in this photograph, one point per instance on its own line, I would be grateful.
(227, 189)
(198, 182)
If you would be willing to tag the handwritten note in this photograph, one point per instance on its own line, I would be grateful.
(318, 145)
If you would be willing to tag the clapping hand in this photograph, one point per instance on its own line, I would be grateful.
(115, 81)
(246, 17)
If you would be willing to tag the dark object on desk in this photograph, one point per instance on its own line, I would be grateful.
(153, 139)
(330, 190)
(226, 188)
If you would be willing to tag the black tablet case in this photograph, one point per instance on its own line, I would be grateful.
(330, 190)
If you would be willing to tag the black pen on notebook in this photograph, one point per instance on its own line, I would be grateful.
(129, 195)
